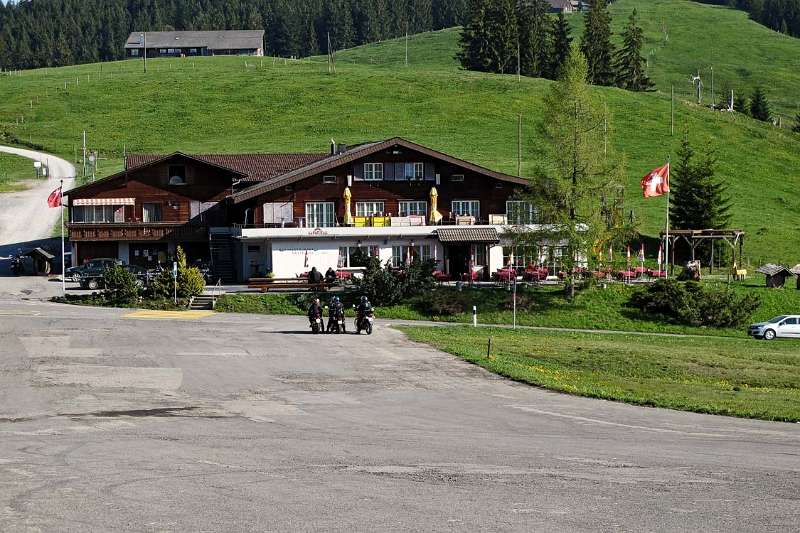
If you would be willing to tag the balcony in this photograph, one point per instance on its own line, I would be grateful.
(136, 231)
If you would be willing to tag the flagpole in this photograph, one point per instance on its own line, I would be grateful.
(63, 259)
(666, 240)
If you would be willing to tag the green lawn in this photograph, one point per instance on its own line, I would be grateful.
(232, 104)
(546, 306)
(14, 170)
(736, 377)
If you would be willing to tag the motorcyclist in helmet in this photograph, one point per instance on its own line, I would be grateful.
(335, 311)
(314, 311)
(364, 306)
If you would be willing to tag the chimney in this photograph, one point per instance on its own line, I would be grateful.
(333, 147)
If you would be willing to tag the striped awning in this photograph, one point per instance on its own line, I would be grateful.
(104, 201)
(466, 234)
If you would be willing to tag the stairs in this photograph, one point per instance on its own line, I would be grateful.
(221, 249)
(204, 302)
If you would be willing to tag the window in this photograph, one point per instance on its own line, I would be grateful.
(177, 175)
(98, 213)
(414, 171)
(467, 208)
(151, 212)
(192, 51)
(413, 207)
(162, 51)
(402, 255)
(352, 256)
(134, 52)
(320, 215)
(520, 256)
(328, 179)
(480, 255)
(373, 171)
(457, 177)
(789, 322)
(369, 209)
(519, 212)
(278, 213)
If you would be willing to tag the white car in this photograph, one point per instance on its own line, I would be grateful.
(779, 326)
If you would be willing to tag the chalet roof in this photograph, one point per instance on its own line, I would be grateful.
(468, 234)
(795, 269)
(213, 40)
(255, 167)
(771, 269)
(357, 152)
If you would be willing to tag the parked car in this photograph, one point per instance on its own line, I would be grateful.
(779, 326)
(90, 275)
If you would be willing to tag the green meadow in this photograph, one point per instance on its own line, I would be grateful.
(14, 171)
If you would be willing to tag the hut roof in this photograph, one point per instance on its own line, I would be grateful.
(771, 269)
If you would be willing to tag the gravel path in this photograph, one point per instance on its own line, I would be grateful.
(24, 215)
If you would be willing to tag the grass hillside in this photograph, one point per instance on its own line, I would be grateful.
(236, 104)
(14, 170)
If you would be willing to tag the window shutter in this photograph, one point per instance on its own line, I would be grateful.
(388, 172)
(358, 171)
(429, 174)
(400, 171)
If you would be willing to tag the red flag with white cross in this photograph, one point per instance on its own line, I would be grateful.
(656, 182)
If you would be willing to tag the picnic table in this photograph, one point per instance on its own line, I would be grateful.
(268, 284)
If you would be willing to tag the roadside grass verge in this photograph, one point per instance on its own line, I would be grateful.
(733, 377)
(100, 300)
(537, 306)
(14, 171)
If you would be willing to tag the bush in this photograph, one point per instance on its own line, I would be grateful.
(190, 280)
(384, 287)
(446, 303)
(694, 304)
(120, 284)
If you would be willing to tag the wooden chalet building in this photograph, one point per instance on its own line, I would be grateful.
(251, 214)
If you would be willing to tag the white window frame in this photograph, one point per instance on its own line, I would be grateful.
(329, 179)
(362, 211)
(373, 171)
(456, 207)
(134, 52)
(529, 212)
(411, 208)
(422, 252)
(414, 171)
(327, 214)
(344, 260)
(160, 212)
(457, 177)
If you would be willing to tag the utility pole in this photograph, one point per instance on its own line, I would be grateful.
(519, 63)
(713, 101)
(672, 111)
(406, 44)
(84, 153)
(519, 146)
(144, 50)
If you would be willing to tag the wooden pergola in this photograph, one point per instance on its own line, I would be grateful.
(694, 237)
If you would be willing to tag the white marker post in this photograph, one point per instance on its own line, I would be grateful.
(474, 316)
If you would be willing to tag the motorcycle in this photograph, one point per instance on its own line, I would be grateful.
(16, 264)
(316, 325)
(365, 321)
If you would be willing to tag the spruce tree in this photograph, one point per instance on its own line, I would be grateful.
(596, 44)
(759, 106)
(698, 199)
(631, 74)
(535, 38)
(474, 41)
(741, 104)
(796, 127)
(562, 42)
(502, 33)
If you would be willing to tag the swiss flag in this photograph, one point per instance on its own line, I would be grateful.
(656, 182)
(54, 200)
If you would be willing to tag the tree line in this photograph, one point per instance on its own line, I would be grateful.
(48, 33)
(779, 15)
(508, 36)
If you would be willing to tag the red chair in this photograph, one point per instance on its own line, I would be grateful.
(441, 276)
(505, 274)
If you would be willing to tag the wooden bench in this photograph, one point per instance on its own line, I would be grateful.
(267, 284)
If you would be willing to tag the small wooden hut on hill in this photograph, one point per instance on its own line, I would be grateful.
(796, 271)
(776, 274)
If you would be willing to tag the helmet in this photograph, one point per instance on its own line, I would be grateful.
(364, 299)
(335, 299)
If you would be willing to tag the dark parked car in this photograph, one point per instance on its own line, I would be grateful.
(90, 275)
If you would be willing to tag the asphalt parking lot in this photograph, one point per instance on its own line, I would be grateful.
(118, 421)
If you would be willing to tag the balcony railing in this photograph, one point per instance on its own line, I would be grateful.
(136, 231)
(386, 221)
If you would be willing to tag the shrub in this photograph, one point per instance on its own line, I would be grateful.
(120, 284)
(446, 303)
(694, 304)
(190, 280)
(384, 287)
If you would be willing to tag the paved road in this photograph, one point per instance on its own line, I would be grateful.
(24, 215)
(239, 423)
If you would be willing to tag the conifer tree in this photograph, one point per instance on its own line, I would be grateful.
(759, 106)
(535, 38)
(796, 127)
(562, 43)
(741, 104)
(474, 40)
(502, 32)
(631, 74)
(596, 44)
(698, 199)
